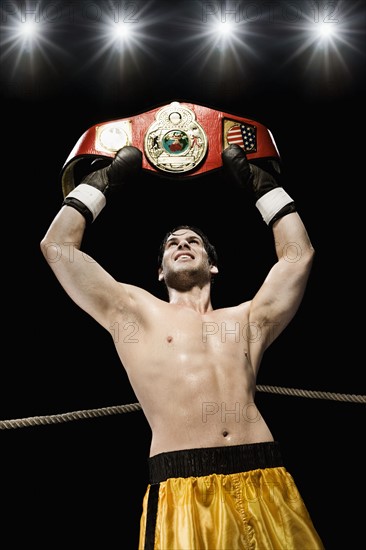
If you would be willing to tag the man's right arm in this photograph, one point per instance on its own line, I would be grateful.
(85, 281)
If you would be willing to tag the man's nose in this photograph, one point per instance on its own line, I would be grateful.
(184, 244)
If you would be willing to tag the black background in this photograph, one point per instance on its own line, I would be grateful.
(79, 483)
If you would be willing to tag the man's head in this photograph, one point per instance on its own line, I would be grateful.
(187, 249)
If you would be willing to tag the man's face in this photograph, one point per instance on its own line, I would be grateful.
(184, 253)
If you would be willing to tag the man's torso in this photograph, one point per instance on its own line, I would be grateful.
(194, 375)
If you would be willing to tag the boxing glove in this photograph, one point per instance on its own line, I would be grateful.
(89, 197)
(262, 179)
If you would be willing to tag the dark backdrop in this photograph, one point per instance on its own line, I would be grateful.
(78, 483)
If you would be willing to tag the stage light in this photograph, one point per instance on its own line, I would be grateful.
(26, 42)
(22, 36)
(223, 34)
(28, 29)
(224, 29)
(121, 31)
(219, 45)
(327, 48)
(326, 30)
(117, 42)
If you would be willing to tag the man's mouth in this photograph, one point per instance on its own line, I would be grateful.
(184, 257)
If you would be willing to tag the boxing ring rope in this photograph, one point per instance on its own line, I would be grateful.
(107, 411)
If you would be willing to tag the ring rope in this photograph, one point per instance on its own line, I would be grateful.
(107, 411)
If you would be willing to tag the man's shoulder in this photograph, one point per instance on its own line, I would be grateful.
(141, 295)
(137, 291)
(238, 310)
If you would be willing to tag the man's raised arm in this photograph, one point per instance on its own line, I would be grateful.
(84, 280)
(280, 295)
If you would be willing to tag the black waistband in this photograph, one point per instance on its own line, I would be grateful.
(214, 460)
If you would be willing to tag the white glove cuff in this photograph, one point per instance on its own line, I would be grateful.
(90, 196)
(272, 202)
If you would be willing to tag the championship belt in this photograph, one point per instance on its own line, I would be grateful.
(177, 140)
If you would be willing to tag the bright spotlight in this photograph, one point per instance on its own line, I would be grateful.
(25, 43)
(325, 44)
(121, 41)
(327, 29)
(121, 31)
(27, 30)
(224, 29)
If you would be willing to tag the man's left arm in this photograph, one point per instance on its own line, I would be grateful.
(280, 295)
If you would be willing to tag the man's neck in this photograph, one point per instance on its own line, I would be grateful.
(197, 299)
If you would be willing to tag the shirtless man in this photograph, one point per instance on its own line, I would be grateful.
(217, 480)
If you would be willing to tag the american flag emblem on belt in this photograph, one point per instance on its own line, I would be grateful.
(244, 135)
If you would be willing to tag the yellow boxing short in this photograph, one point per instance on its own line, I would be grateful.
(239, 497)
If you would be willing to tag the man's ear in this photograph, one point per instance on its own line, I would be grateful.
(160, 274)
(214, 269)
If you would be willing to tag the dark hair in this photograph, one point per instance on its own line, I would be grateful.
(210, 249)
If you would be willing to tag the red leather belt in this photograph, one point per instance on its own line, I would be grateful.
(177, 140)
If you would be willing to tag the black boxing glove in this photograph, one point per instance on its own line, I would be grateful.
(262, 178)
(89, 197)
